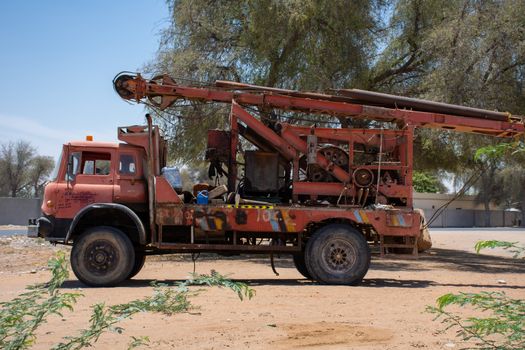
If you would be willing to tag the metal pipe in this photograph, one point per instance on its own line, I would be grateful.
(393, 101)
(151, 179)
(232, 85)
(283, 147)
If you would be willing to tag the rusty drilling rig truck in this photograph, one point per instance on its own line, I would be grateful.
(321, 194)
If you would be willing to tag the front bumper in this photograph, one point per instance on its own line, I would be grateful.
(48, 227)
(32, 228)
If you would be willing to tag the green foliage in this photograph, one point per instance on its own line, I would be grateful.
(502, 324)
(216, 279)
(426, 183)
(498, 151)
(20, 317)
(512, 247)
(502, 174)
(503, 327)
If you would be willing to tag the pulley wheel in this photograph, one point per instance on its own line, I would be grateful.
(363, 177)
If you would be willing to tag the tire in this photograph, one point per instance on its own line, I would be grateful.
(300, 265)
(102, 256)
(337, 254)
(140, 259)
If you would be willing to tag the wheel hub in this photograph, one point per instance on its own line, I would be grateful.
(101, 257)
(339, 256)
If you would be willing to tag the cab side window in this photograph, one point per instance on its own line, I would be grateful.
(127, 164)
(94, 163)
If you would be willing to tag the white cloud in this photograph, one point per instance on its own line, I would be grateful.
(20, 127)
(47, 140)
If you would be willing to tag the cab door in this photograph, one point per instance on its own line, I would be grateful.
(130, 184)
(89, 179)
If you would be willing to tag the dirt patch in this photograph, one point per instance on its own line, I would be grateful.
(331, 334)
(20, 254)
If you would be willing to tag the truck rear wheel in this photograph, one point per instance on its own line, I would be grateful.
(337, 254)
(300, 265)
(102, 256)
(140, 259)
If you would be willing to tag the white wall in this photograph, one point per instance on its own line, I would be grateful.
(436, 200)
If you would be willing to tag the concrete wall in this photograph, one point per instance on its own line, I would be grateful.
(473, 218)
(16, 211)
(436, 200)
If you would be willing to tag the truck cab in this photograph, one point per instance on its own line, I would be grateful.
(90, 173)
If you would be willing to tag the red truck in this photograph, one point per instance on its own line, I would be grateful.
(322, 194)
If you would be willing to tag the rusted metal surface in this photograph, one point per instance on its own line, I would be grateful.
(136, 88)
(164, 193)
(336, 188)
(218, 147)
(285, 149)
(227, 248)
(301, 146)
(282, 219)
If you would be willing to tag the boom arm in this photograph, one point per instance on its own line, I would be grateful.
(163, 92)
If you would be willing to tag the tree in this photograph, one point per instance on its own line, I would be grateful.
(307, 45)
(467, 52)
(427, 183)
(39, 170)
(510, 177)
(22, 171)
(15, 159)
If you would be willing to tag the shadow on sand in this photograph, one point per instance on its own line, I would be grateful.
(435, 259)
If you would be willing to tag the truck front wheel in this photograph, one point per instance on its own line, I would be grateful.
(140, 259)
(337, 254)
(102, 256)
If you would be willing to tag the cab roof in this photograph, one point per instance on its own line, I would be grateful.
(99, 144)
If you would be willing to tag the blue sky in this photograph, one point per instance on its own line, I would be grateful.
(58, 59)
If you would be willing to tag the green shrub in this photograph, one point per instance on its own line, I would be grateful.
(501, 325)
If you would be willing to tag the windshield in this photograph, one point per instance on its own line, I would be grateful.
(54, 174)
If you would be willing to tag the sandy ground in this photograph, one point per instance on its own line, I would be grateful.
(385, 312)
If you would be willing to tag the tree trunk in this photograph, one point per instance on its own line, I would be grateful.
(521, 223)
(486, 204)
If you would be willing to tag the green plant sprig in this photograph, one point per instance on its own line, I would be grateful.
(512, 247)
(502, 326)
(21, 317)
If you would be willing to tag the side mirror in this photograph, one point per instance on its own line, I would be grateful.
(73, 160)
(68, 166)
(70, 176)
